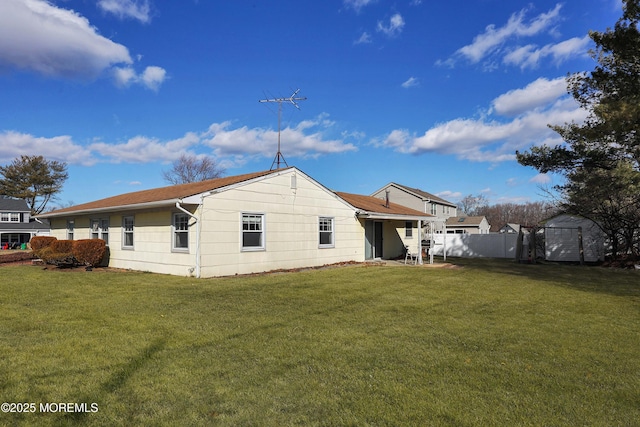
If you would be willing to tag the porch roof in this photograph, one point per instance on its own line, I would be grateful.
(372, 207)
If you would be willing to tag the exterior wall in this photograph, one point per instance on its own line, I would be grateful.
(291, 227)
(152, 249)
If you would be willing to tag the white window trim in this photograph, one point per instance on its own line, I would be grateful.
(333, 233)
(263, 246)
(101, 233)
(408, 232)
(125, 232)
(173, 233)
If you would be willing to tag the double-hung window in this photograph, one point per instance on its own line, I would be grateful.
(180, 232)
(127, 232)
(70, 228)
(408, 229)
(326, 232)
(100, 229)
(253, 232)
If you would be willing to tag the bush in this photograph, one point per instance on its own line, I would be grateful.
(40, 242)
(61, 259)
(89, 251)
(16, 257)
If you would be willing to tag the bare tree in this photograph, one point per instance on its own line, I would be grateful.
(470, 205)
(191, 168)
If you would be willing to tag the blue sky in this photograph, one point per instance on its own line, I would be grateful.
(431, 94)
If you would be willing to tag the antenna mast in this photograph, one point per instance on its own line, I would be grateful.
(292, 99)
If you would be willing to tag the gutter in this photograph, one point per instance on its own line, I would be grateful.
(147, 205)
(197, 267)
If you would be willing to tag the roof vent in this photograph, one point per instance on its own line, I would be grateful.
(386, 200)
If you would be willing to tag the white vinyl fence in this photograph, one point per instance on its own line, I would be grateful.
(496, 245)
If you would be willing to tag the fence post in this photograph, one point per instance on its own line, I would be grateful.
(580, 247)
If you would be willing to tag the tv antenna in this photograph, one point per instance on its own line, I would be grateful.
(292, 99)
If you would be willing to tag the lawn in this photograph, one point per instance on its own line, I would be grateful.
(488, 343)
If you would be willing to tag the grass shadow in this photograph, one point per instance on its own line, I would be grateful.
(587, 278)
(117, 380)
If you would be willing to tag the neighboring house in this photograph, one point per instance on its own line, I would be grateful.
(241, 224)
(418, 200)
(16, 224)
(510, 228)
(468, 225)
(567, 235)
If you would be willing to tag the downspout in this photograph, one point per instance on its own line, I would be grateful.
(197, 235)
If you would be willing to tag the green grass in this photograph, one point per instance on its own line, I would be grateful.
(490, 343)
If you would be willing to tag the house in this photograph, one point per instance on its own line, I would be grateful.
(16, 224)
(573, 238)
(468, 225)
(510, 228)
(417, 199)
(249, 223)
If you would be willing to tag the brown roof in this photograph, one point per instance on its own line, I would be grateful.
(375, 205)
(168, 194)
(462, 221)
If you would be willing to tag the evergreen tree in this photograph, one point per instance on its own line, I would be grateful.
(34, 179)
(601, 157)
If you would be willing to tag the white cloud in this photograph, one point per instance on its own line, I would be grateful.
(411, 82)
(139, 10)
(536, 94)
(449, 195)
(152, 77)
(488, 139)
(529, 56)
(492, 39)
(142, 149)
(62, 148)
(357, 5)
(364, 39)
(396, 24)
(295, 141)
(38, 36)
(541, 178)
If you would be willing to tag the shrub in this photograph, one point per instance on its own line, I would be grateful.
(61, 259)
(89, 251)
(16, 256)
(40, 242)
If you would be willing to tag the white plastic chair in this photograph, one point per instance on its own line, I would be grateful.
(410, 255)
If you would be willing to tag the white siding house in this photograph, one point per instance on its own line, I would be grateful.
(242, 224)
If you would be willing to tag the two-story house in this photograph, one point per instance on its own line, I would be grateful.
(16, 225)
(419, 200)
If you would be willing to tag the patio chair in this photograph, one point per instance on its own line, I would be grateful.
(410, 255)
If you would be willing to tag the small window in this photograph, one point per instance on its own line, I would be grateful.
(434, 209)
(127, 232)
(408, 229)
(4, 217)
(325, 227)
(253, 231)
(70, 228)
(180, 232)
(15, 217)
